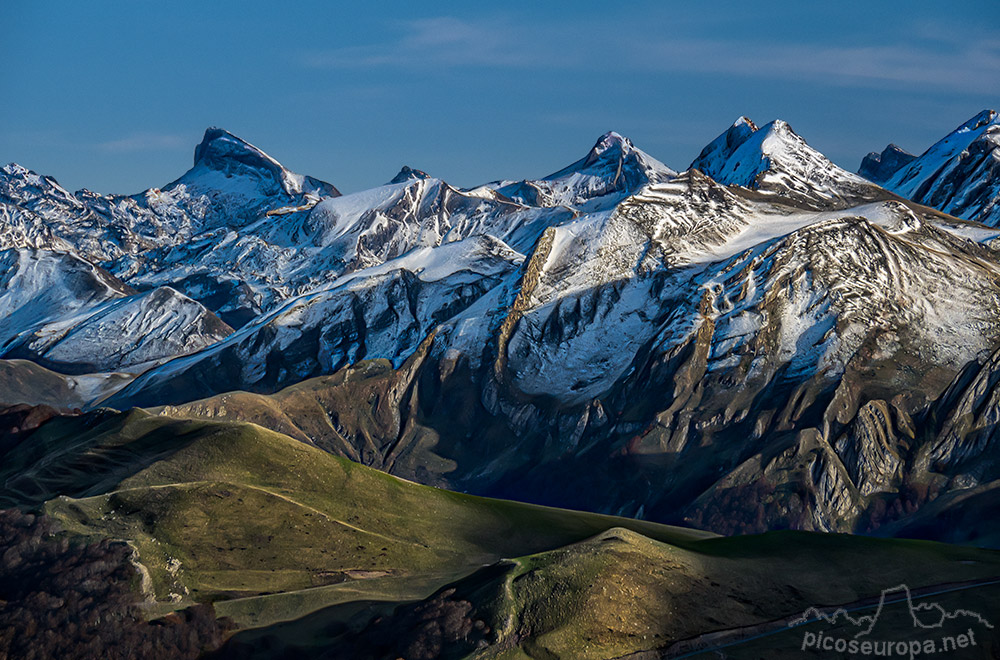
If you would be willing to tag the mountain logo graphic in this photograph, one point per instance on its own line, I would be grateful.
(928, 616)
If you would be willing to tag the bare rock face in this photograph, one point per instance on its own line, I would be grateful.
(869, 449)
(968, 414)
(879, 167)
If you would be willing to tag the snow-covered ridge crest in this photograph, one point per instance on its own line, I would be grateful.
(384, 311)
(776, 160)
(612, 169)
(959, 174)
(63, 311)
(155, 236)
(625, 236)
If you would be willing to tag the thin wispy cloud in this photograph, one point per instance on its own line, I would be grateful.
(443, 41)
(972, 65)
(139, 142)
(951, 61)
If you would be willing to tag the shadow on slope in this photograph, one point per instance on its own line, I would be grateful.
(223, 510)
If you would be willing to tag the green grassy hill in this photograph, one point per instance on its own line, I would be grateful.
(221, 510)
(623, 595)
(307, 547)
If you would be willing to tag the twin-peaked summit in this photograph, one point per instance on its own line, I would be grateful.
(775, 159)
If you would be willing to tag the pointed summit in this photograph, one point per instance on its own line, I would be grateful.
(614, 151)
(407, 173)
(612, 169)
(775, 159)
(219, 148)
(611, 145)
(743, 152)
(221, 151)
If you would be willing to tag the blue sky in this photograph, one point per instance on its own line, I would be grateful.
(114, 96)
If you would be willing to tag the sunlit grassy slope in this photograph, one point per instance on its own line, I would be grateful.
(273, 529)
(220, 510)
(621, 593)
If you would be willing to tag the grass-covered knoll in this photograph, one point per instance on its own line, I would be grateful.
(621, 593)
(220, 510)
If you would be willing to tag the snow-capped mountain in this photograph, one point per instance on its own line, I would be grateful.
(67, 314)
(755, 319)
(775, 160)
(691, 314)
(959, 174)
(382, 312)
(613, 168)
(241, 234)
(231, 184)
(281, 256)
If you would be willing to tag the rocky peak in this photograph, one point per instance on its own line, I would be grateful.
(221, 151)
(13, 169)
(407, 173)
(959, 173)
(721, 148)
(23, 186)
(614, 157)
(775, 159)
(879, 167)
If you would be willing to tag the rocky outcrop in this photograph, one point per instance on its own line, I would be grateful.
(879, 167)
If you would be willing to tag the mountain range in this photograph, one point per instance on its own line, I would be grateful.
(762, 341)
